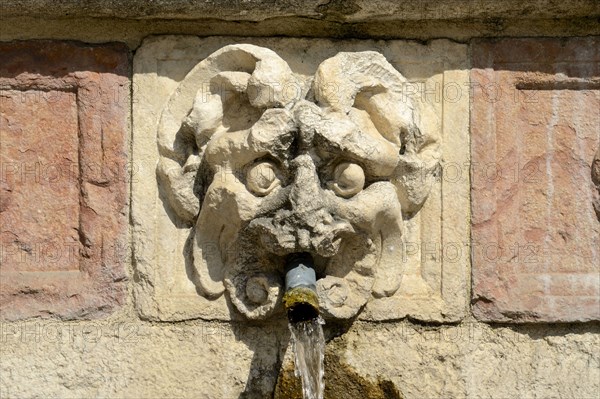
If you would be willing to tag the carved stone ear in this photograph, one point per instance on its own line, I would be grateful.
(417, 170)
(367, 81)
(228, 91)
(179, 185)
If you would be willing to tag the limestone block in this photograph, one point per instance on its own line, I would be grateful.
(535, 126)
(246, 150)
(119, 358)
(63, 129)
(124, 358)
(469, 360)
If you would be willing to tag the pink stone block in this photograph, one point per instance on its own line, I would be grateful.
(535, 128)
(63, 185)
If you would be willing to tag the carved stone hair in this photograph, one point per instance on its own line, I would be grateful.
(245, 80)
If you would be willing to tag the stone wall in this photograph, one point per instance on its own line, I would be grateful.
(101, 287)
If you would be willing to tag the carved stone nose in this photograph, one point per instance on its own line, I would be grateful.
(307, 224)
(305, 196)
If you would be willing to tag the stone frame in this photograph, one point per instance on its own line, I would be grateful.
(162, 62)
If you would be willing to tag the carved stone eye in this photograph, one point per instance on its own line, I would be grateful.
(262, 178)
(348, 179)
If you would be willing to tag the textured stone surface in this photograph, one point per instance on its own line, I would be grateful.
(130, 359)
(256, 10)
(40, 166)
(470, 360)
(63, 127)
(225, 246)
(535, 130)
(133, 31)
(596, 181)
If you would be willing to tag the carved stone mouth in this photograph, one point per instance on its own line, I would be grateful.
(344, 262)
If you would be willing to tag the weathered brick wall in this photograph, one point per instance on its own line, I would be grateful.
(516, 306)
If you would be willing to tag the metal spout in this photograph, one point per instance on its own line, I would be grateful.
(300, 300)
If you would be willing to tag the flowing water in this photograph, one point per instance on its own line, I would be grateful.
(309, 349)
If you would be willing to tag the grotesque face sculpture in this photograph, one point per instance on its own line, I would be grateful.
(263, 162)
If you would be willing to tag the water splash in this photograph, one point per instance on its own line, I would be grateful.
(309, 353)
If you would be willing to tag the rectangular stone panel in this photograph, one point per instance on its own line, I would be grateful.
(535, 123)
(63, 184)
(45, 168)
(435, 259)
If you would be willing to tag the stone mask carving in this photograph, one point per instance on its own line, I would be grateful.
(264, 162)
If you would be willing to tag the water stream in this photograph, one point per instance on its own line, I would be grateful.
(309, 353)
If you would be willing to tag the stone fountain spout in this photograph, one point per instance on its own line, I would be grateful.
(300, 300)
